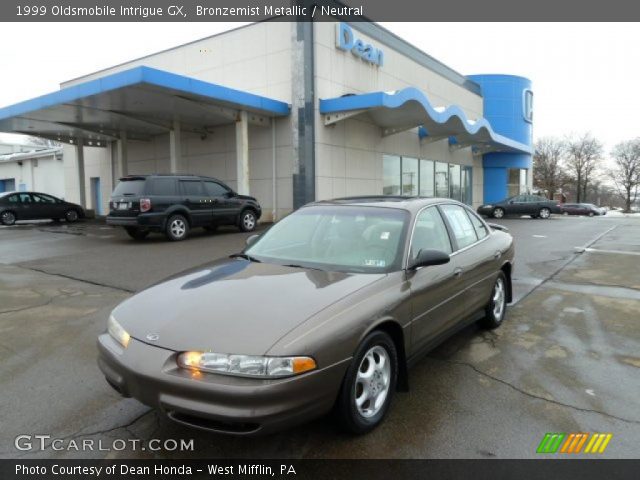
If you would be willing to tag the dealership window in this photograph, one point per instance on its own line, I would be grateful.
(391, 175)
(465, 185)
(409, 176)
(517, 181)
(454, 181)
(427, 178)
(442, 179)
(427, 188)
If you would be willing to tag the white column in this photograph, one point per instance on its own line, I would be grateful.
(80, 160)
(242, 153)
(175, 148)
(123, 158)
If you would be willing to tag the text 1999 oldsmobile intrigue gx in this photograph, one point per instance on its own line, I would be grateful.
(325, 310)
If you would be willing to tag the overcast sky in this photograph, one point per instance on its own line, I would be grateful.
(585, 76)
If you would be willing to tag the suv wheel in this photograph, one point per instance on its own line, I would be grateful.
(498, 212)
(369, 384)
(71, 216)
(137, 233)
(177, 228)
(247, 221)
(544, 213)
(8, 218)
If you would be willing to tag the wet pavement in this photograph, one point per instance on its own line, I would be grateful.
(566, 360)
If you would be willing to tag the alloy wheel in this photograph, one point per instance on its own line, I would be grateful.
(499, 299)
(498, 213)
(545, 213)
(249, 221)
(178, 228)
(8, 218)
(71, 216)
(372, 381)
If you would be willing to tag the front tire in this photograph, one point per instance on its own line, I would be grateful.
(71, 216)
(137, 233)
(177, 228)
(247, 221)
(498, 212)
(369, 384)
(497, 306)
(544, 213)
(8, 218)
(591, 214)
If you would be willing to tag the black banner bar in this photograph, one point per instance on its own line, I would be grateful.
(315, 10)
(544, 469)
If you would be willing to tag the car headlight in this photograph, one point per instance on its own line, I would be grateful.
(117, 332)
(246, 365)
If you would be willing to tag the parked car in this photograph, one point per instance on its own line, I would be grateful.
(174, 204)
(16, 206)
(535, 206)
(326, 309)
(582, 209)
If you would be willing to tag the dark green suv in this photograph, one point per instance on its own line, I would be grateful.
(174, 204)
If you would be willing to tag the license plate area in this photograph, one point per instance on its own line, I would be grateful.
(123, 206)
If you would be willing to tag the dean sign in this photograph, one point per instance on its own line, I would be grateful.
(346, 40)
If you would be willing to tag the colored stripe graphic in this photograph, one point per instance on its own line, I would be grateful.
(550, 443)
(574, 442)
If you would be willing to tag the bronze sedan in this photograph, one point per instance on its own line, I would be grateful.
(325, 310)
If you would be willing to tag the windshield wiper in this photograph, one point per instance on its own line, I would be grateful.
(245, 256)
(295, 265)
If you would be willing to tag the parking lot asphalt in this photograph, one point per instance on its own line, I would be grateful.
(566, 359)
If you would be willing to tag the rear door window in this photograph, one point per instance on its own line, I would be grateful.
(162, 186)
(191, 187)
(478, 225)
(460, 224)
(129, 188)
(214, 189)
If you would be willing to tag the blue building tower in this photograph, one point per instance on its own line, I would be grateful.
(508, 106)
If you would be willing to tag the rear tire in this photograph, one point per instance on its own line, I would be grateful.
(177, 228)
(369, 384)
(497, 306)
(591, 214)
(498, 212)
(8, 218)
(71, 216)
(136, 233)
(247, 221)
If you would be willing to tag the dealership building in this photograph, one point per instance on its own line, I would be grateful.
(291, 113)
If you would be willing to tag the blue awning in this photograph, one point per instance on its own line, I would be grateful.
(140, 102)
(410, 108)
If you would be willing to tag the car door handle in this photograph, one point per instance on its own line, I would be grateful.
(497, 255)
(457, 272)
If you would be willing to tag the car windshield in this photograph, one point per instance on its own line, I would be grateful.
(336, 238)
(128, 188)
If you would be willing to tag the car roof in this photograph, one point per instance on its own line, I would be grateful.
(401, 202)
(176, 175)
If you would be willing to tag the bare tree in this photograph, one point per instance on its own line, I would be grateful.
(44, 142)
(626, 170)
(584, 153)
(548, 170)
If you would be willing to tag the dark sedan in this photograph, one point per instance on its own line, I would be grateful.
(326, 310)
(535, 206)
(587, 209)
(16, 206)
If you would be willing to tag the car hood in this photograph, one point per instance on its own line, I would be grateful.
(233, 305)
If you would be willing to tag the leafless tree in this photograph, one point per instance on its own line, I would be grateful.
(44, 142)
(626, 170)
(548, 170)
(584, 153)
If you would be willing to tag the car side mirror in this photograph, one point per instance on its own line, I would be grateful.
(251, 239)
(429, 257)
(231, 194)
(511, 201)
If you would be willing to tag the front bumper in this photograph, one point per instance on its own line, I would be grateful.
(220, 403)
